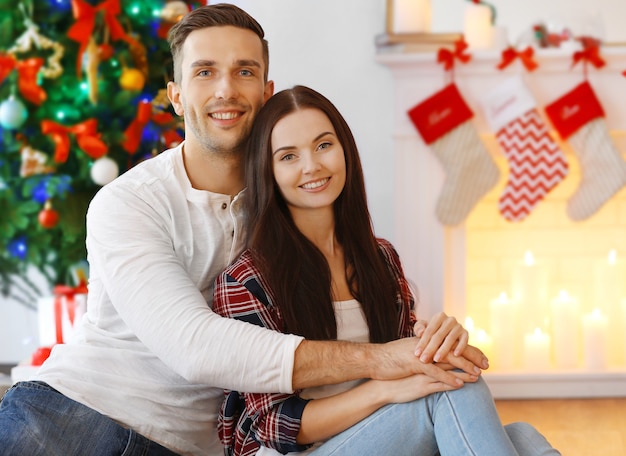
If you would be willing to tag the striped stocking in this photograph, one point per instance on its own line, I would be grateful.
(443, 121)
(536, 164)
(579, 118)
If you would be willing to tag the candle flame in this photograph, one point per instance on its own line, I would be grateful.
(563, 295)
(529, 259)
(503, 298)
(612, 256)
(537, 331)
(469, 324)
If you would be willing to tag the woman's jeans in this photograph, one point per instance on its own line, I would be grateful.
(37, 420)
(462, 422)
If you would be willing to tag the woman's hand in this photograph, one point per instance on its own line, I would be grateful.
(438, 337)
(410, 388)
(442, 335)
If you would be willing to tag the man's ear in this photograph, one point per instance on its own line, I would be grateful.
(173, 93)
(269, 90)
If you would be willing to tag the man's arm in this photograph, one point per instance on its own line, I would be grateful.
(326, 362)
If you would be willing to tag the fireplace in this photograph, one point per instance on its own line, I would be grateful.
(474, 270)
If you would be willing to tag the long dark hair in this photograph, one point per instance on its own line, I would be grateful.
(295, 270)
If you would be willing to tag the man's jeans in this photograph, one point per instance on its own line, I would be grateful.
(37, 420)
(462, 422)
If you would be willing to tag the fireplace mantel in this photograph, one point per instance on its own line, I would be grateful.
(433, 255)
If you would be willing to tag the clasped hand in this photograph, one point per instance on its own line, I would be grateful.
(438, 358)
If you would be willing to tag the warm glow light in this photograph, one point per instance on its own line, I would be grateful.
(612, 256)
(529, 259)
(563, 295)
(469, 324)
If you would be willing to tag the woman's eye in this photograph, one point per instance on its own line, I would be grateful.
(287, 157)
(324, 145)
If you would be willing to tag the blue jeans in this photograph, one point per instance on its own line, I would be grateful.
(462, 422)
(37, 420)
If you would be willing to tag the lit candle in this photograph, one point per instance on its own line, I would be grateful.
(529, 284)
(478, 29)
(411, 16)
(594, 339)
(609, 275)
(565, 330)
(479, 338)
(537, 351)
(504, 331)
(608, 287)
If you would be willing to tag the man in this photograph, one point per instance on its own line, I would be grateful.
(145, 372)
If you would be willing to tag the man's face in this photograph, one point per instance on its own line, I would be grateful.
(222, 87)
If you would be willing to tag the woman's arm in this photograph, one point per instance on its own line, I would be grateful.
(324, 418)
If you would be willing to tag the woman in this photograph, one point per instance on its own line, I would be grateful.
(310, 243)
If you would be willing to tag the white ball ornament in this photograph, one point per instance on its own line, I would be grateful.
(13, 113)
(104, 170)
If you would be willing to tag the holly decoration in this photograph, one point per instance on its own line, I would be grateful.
(67, 100)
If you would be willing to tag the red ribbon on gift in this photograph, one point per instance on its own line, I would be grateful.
(526, 56)
(86, 135)
(27, 71)
(144, 115)
(85, 16)
(65, 293)
(447, 57)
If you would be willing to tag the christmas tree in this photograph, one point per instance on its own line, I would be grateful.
(82, 99)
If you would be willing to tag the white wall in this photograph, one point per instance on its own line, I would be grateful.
(329, 45)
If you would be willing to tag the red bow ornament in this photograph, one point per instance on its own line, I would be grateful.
(27, 71)
(86, 134)
(85, 16)
(526, 56)
(590, 54)
(446, 56)
(144, 115)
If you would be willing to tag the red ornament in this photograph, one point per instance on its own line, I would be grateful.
(48, 217)
(105, 51)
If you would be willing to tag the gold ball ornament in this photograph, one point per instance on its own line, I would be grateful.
(132, 79)
(173, 11)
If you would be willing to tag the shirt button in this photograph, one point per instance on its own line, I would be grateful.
(224, 205)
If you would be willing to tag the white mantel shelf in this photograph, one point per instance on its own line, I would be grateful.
(434, 255)
(545, 385)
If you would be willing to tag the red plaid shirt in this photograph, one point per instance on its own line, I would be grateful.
(248, 420)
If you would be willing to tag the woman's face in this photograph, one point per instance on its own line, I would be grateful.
(308, 160)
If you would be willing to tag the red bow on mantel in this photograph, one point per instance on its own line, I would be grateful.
(85, 16)
(27, 76)
(145, 115)
(65, 293)
(590, 54)
(86, 135)
(526, 56)
(446, 56)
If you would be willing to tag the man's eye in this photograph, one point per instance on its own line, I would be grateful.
(246, 73)
(204, 73)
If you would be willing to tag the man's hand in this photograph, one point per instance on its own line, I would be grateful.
(397, 359)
